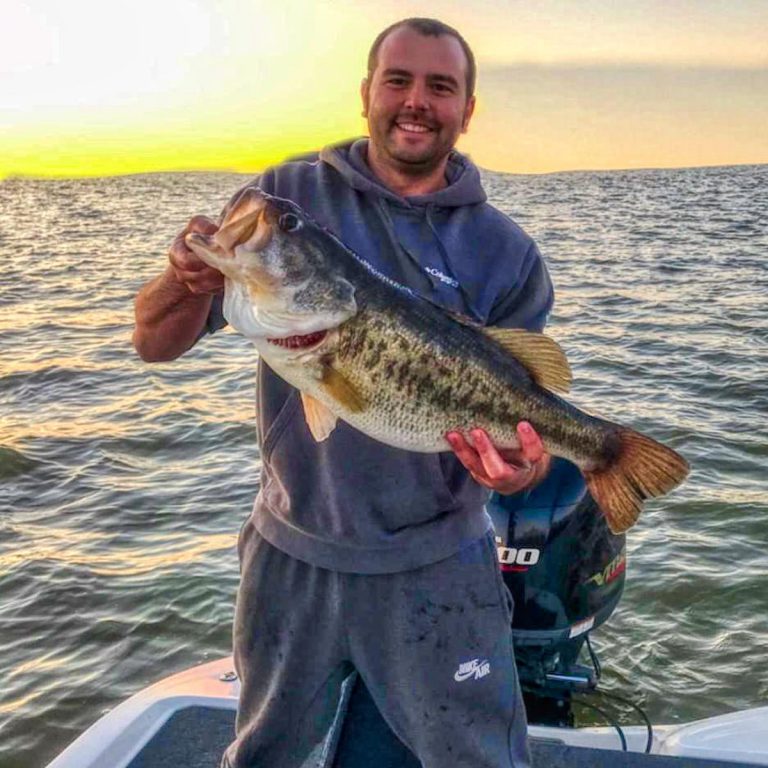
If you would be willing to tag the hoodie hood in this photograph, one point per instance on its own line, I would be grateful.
(349, 158)
(418, 228)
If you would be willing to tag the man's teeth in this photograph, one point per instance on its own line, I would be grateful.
(413, 127)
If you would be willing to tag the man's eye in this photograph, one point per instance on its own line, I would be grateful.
(397, 81)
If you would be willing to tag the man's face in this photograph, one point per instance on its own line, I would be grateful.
(416, 100)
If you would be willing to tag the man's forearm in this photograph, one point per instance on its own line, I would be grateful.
(169, 318)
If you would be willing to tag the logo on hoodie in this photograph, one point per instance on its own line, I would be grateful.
(440, 276)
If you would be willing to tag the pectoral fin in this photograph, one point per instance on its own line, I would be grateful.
(320, 420)
(341, 390)
(539, 354)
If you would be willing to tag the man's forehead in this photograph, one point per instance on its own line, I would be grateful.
(407, 49)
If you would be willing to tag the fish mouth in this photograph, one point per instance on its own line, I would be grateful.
(305, 341)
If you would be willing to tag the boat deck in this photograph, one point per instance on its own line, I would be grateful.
(196, 737)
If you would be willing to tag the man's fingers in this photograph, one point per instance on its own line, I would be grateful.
(183, 259)
(207, 280)
(202, 224)
(507, 471)
(203, 289)
(531, 447)
(496, 468)
(465, 453)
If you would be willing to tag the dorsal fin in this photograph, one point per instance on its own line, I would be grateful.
(540, 355)
(320, 420)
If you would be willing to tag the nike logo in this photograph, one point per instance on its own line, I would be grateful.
(474, 668)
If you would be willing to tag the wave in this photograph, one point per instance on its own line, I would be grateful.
(13, 463)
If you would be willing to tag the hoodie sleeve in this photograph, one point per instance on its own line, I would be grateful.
(529, 302)
(216, 320)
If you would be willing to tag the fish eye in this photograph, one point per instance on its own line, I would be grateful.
(289, 222)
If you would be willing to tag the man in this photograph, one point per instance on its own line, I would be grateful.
(358, 555)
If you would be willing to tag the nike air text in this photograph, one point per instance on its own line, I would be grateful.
(474, 668)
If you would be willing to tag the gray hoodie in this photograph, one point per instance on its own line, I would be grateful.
(350, 503)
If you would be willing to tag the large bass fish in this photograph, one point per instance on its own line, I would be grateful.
(364, 349)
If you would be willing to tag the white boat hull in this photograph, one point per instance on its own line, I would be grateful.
(118, 737)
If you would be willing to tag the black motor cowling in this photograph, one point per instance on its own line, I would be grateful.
(565, 570)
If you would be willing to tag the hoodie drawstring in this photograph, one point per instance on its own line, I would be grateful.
(383, 207)
(447, 262)
(414, 262)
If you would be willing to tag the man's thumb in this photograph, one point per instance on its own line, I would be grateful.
(203, 225)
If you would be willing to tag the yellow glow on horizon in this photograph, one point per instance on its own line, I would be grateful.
(88, 88)
(200, 86)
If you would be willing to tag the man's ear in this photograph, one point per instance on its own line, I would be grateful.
(469, 110)
(364, 95)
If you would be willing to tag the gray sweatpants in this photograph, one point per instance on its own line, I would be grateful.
(433, 646)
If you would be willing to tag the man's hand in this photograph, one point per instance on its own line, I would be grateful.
(187, 268)
(505, 471)
(171, 310)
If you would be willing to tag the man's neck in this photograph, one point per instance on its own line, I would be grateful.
(407, 184)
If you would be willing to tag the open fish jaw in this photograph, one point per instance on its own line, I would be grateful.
(278, 285)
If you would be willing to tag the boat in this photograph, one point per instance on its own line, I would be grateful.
(187, 720)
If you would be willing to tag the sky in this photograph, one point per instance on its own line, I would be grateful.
(90, 88)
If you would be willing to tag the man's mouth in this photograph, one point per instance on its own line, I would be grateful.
(413, 127)
(300, 342)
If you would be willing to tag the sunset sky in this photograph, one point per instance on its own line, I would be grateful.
(95, 88)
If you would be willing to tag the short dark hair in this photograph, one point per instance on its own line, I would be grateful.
(428, 28)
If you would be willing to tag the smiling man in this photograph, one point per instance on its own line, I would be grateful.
(358, 555)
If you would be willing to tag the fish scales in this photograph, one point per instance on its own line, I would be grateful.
(433, 382)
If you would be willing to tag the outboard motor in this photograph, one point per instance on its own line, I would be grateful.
(565, 570)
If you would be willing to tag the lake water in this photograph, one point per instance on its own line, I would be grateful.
(123, 485)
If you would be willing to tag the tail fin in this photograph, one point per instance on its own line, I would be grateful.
(642, 470)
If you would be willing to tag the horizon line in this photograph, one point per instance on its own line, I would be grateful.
(231, 171)
(700, 65)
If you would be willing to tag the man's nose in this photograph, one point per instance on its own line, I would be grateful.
(417, 97)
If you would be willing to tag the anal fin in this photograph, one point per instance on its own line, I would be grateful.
(320, 420)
